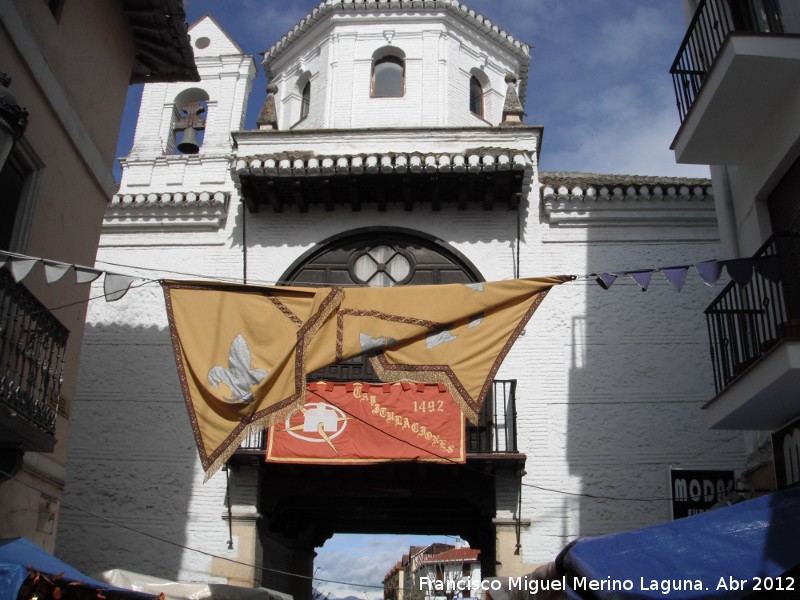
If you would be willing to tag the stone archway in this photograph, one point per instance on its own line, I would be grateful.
(303, 505)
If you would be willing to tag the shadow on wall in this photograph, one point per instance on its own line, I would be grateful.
(132, 458)
(639, 375)
(294, 229)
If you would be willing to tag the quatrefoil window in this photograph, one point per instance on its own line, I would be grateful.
(382, 266)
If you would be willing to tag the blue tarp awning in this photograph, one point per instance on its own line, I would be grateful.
(717, 555)
(18, 554)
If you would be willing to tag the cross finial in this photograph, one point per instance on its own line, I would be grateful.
(192, 119)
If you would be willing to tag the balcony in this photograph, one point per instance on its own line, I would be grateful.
(495, 433)
(32, 344)
(737, 66)
(754, 332)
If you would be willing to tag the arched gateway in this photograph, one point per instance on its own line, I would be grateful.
(602, 402)
(303, 505)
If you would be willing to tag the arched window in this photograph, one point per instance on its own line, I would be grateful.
(377, 258)
(384, 257)
(476, 96)
(305, 100)
(388, 77)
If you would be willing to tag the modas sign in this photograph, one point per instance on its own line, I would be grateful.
(694, 492)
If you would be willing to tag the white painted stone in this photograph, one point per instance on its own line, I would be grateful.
(610, 383)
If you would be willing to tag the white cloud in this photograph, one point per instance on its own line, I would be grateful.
(619, 129)
(362, 559)
(637, 144)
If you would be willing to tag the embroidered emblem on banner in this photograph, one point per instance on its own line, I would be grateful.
(317, 422)
(346, 423)
(240, 377)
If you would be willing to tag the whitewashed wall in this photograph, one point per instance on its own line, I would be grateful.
(441, 53)
(610, 382)
(609, 393)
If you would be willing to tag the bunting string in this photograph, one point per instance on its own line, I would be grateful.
(116, 285)
(739, 269)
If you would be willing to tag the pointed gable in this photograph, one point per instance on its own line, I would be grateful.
(209, 39)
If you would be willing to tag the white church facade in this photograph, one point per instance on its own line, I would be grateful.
(391, 150)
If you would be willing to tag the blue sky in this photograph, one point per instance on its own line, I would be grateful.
(599, 84)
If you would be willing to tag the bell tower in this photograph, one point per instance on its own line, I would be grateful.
(183, 130)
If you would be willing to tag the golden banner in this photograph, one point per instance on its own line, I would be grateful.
(243, 352)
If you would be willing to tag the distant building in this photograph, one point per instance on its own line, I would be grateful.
(393, 581)
(457, 571)
(69, 65)
(737, 82)
(391, 150)
(413, 564)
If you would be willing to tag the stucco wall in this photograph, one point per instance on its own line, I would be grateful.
(74, 117)
(610, 383)
(439, 59)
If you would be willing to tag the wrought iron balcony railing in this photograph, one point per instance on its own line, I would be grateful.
(712, 22)
(496, 431)
(32, 345)
(746, 322)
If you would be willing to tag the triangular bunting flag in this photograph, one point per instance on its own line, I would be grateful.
(21, 267)
(741, 270)
(86, 275)
(604, 280)
(769, 267)
(55, 271)
(642, 278)
(116, 286)
(709, 271)
(676, 276)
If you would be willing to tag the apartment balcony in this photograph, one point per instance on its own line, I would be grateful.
(737, 65)
(495, 434)
(32, 344)
(754, 332)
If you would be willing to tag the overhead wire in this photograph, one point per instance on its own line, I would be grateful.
(183, 546)
(508, 479)
(320, 579)
(149, 281)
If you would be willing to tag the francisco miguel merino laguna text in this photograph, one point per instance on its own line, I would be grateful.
(664, 586)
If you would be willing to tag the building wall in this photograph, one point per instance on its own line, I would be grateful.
(742, 190)
(610, 383)
(440, 59)
(227, 78)
(72, 131)
(613, 400)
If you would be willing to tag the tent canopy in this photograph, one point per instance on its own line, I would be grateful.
(18, 556)
(722, 554)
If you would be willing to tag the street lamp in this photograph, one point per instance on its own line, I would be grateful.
(13, 119)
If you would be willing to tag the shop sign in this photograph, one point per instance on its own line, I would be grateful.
(696, 491)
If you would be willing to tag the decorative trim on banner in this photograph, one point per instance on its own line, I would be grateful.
(115, 285)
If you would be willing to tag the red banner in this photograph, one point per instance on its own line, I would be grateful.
(349, 423)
